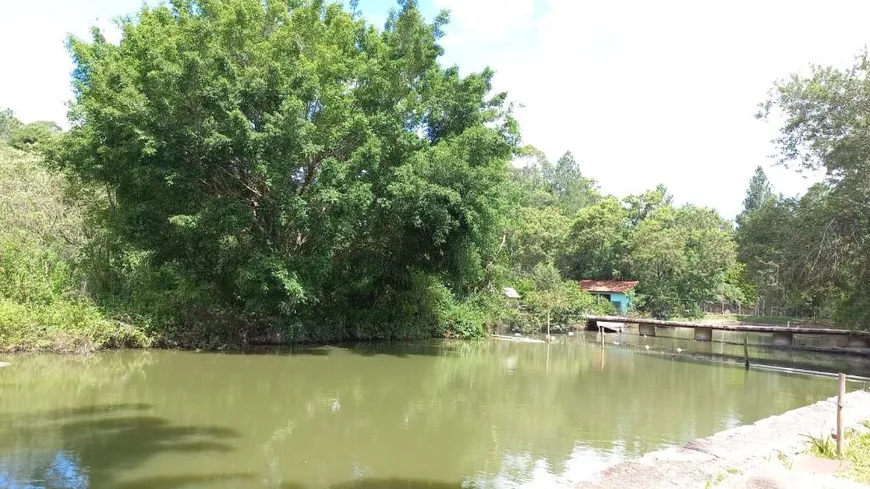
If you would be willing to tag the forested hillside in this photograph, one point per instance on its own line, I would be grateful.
(239, 171)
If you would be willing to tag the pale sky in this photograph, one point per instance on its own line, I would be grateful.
(642, 92)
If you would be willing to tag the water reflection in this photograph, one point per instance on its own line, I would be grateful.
(90, 446)
(728, 346)
(436, 415)
(33, 470)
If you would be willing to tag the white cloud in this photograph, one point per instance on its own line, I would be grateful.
(487, 21)
(641, 92)
(37, 67)
(655, 92)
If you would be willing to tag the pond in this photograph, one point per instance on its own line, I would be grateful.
(437, 415)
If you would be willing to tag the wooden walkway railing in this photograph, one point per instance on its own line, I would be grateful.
(783, 335)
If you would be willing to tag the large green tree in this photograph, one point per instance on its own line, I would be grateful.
(573, 191)
(8, 124)
(539, 236)
(762, 238)
(759, 192)
(642, 205)
(527, 176)
(682, 257)
(542, 184)
(598, 242)
(34, 136)
(825, 115)
(294, 163)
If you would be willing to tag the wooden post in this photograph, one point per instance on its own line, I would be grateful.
(841, 393)
(548, 331)
(746, 351)
(548, 355)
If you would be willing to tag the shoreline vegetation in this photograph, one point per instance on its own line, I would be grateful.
(322, 179)
(856, 452)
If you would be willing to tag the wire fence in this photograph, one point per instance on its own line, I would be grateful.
(760, 309)
(689, 308)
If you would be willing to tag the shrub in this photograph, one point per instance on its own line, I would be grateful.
(463, 320)
(62, 326)
(44, 302)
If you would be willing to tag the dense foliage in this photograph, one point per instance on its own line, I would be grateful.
(240, 171)
(243, 171)
(809, 254)
(44, 304)
(287, 169)
(682, 256)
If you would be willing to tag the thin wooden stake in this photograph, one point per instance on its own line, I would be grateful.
(841, 393)
(746, 351)
(548, 330)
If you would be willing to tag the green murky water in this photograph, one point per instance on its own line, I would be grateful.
(427, 415)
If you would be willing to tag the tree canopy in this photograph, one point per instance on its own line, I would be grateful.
(8, 125)
(682, 256)
(291, 160)
(759, 192)
(264, 170)
(811, 252)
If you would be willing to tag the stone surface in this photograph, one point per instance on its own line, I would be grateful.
(759, 455)
(776, 475)
(646, 329)
(703, 334)
(815, 465)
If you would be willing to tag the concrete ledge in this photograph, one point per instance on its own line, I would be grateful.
(783, 339)
(703, 334)
(646, 329)
(736, 451)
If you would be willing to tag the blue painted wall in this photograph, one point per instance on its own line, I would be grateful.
(620, 300)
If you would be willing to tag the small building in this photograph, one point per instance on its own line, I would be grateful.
(618, 292)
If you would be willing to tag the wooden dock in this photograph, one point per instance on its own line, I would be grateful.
(782, 335)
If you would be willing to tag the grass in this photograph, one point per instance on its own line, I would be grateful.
(822, 447)
(720, 477)
(43, 306)
(63, 326)
(856, 451)
(784, 460)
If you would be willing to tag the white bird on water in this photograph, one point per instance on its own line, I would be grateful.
(647, 347)
(679, 350)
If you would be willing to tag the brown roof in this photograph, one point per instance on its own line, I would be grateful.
(607, 285)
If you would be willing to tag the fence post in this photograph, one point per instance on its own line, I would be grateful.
(746, 350)
(841, 393)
